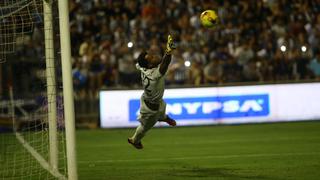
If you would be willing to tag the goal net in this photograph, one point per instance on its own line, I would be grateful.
(32, 122)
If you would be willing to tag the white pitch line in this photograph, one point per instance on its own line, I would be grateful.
(101, 145)
(39, 158)
(200, 157)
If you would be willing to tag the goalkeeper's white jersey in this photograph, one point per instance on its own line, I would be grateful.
(153, 83)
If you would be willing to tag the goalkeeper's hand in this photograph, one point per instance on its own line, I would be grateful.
(170, 45)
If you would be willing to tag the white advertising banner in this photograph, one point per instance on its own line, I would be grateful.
(218, 105)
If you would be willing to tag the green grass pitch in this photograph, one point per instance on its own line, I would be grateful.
(255, 151)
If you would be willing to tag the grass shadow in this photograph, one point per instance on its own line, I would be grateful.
(198, 172)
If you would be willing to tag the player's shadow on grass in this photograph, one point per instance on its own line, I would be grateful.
(198, 172)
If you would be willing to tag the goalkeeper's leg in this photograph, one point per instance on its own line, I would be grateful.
(146, 123)
(164, 117)
(169, 121)
(135, 140)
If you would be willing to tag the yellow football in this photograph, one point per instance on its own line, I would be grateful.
(209, 18)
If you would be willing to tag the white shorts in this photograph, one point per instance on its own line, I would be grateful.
(148, 117)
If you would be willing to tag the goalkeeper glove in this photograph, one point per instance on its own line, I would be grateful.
(170, 45)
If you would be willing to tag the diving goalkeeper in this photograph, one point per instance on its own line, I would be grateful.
(152, 106)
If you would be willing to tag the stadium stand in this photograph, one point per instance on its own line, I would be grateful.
(258, 42)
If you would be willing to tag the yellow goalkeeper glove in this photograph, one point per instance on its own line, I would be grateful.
(170, 45)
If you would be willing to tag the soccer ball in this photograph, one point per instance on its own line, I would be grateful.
(209, 18)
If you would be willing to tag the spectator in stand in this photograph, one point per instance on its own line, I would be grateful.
(244, 53)
(178, 70)
(213, 72)
(251, 72)
(195, 76)
(314, 65)
(232, 71)
(80, 79)
(282, 69)
(302, 60)
(96, 72)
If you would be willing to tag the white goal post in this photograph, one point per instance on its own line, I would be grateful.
(67, 88)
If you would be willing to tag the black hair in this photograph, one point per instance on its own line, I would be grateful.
(142, 59)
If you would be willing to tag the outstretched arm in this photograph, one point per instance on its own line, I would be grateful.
(167, 56)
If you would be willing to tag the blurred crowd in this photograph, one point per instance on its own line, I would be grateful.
(258, 41)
